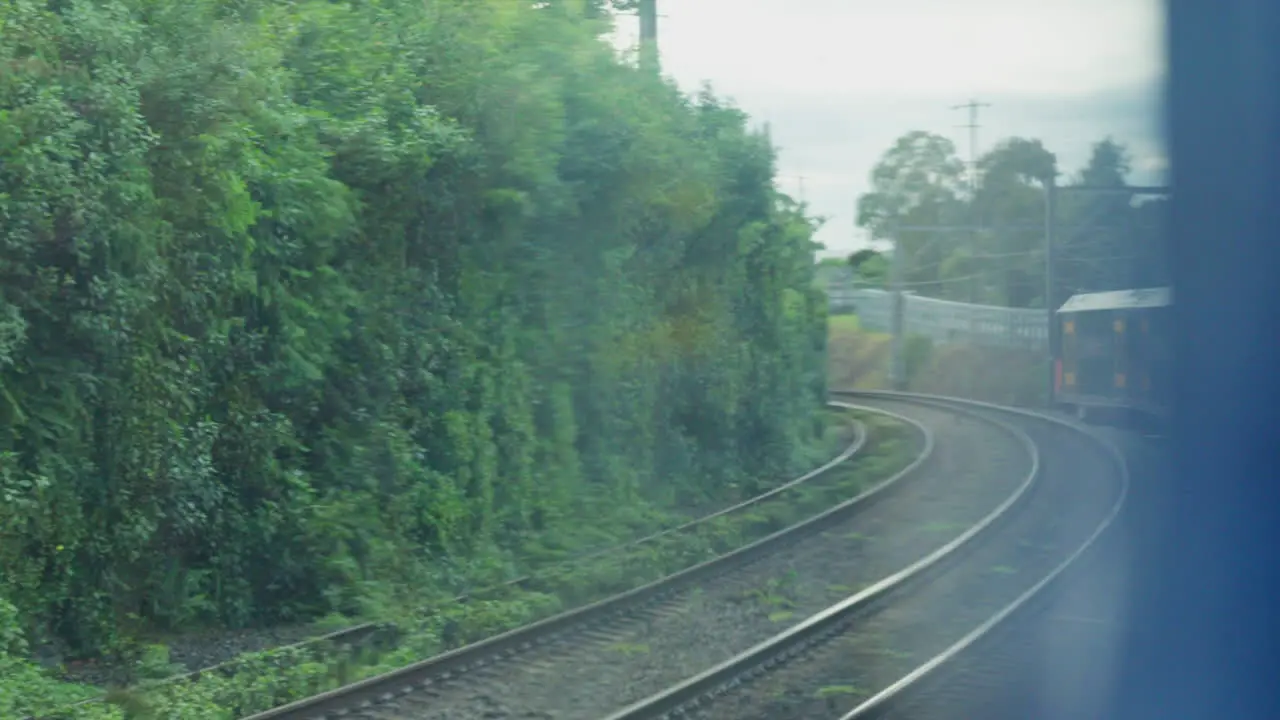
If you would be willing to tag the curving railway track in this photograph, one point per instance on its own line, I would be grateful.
(1051, 654)
(375, 637)
(875, 608)
(586, 663)
(964, 639)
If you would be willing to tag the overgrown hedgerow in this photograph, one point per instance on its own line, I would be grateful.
(260, 681)
(311, 307)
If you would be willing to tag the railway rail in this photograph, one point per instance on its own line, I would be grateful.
(1050, 654)
(853, 576)
(351, 640)
(924, 647)
(584, 663)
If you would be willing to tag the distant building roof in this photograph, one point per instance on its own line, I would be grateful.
(1119, 300)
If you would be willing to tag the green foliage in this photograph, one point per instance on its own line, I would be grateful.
(918, 181)
(154, 663)
(1103, 241)
(12, 641)
(870, 266)
(26, 689)
(308, 308)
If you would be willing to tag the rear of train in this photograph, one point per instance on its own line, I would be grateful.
(1114, 363)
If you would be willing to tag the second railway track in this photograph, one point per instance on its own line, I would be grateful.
(1052, 654)
(584, 670)
(868, 657)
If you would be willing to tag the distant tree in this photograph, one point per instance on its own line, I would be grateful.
(869, 266)
(1109, 164)
(1099, 232)
(1010, 202)
(861, 256)
(917, 180)
(1017, 160)
(1012, 177)
(1104, 240)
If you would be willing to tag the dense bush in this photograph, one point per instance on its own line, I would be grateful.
(302, 300)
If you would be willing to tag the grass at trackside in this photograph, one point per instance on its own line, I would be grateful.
(856, 358)
(859, 359)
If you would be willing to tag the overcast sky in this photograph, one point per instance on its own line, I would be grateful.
(839, 80)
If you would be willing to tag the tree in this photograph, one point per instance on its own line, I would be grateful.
(918, 181)
(869, 266)
(304, 301)
(1105, 241)
(1017, 161)
(1109, 165)
(1101, 235)
(1010, 202)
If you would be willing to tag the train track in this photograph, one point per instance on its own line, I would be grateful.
(585, 663)
(953, 641)
(376, 636)
(1052, 653)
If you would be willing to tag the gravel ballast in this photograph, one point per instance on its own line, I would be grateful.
(1076, 490)
(587, 673)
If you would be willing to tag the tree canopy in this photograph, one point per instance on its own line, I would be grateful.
(301, 298)
(869, 266)
(1104, 241)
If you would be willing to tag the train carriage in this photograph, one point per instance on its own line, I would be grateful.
(1114, 352)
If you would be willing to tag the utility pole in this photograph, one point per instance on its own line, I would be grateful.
(1051, 321)
(972, 106)
(801, 189)
(897, 261)
(649, 35)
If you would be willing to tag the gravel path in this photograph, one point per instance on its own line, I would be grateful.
(586, 674)
(1074, 493)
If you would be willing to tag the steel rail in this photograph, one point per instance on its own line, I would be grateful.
(722, 677)
(891, 697)
(422, 674)
(358, 633)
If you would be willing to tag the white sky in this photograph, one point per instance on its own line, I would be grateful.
(839, 80)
